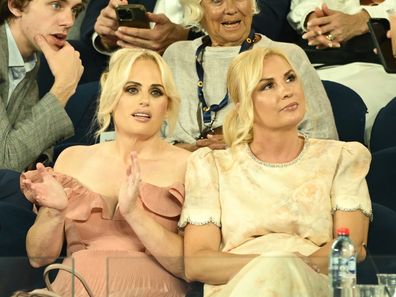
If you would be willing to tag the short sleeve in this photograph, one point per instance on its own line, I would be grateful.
(201, 205)
(349, 191)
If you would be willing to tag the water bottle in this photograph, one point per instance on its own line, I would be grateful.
(342, 265)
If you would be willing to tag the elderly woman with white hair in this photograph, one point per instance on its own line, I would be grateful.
(199, 68)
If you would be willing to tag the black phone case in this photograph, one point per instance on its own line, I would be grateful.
(378, 28)
(139, 19)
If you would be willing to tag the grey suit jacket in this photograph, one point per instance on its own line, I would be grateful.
(28, 126)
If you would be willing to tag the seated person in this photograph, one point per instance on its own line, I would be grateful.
(261, 216)
(338, 29)
(29, 126)
(119, 199)
(202, 81)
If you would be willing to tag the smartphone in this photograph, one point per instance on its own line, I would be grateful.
(132, 15)
(378, 28)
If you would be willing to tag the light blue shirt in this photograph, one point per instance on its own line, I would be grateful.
(17, 67)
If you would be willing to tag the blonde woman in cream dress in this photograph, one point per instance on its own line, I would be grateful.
(260, 217)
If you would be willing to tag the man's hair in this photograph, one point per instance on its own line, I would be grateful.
(5, 12)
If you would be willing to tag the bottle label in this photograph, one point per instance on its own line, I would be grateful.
(351, 266)
(342, 271)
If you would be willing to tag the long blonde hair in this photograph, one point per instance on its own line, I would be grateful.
(112, 83)
(244, 74)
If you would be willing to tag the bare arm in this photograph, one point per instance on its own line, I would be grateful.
(349, 181)
(358, 224)
(45, 238)
(203, 260)
(164, 245)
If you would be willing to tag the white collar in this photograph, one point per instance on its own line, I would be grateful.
(14, 55)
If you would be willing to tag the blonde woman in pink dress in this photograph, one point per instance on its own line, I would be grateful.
(260, 216)
(117, 203)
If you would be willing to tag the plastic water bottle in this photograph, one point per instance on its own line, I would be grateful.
(342, 265)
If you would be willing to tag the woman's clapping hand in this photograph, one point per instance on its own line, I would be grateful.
(129, 190)
(48, 192)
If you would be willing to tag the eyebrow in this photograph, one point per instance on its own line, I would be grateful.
(271, 78)
(80, 5)
(139, 84)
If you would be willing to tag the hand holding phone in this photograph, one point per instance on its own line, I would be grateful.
(132, 15)
(158, 38)
(378, 28)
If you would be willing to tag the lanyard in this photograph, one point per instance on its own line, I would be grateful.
(207, 110)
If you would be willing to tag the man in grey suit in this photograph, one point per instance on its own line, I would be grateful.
(30, 126)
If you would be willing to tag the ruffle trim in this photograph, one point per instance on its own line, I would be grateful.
(367, 213)
(163, 201)
(149, 195)
(183, 223)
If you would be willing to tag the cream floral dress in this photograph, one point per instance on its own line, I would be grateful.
(275, 210)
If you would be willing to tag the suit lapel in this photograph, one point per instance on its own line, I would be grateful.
(150, 4)
(24, 93)
(3, 65)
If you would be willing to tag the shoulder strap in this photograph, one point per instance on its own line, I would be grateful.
(68, 269)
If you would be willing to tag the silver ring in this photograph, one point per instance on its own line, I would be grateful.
(330, 37)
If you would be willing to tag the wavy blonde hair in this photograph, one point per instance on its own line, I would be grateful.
(193, 12)
(113, 80)
(243, 76)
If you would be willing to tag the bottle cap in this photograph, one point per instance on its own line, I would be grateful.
(343, 231)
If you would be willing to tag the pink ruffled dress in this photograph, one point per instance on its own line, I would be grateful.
(105, 249)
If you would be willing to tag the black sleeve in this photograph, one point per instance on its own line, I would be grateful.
(91, 14)
(272, 20)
